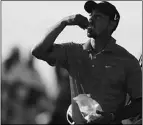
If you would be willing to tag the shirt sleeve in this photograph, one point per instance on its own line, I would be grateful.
(134, 79)
(57, 55)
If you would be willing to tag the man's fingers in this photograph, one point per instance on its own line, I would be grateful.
(82, 21)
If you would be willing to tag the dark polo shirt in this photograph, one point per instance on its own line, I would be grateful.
(108, 77)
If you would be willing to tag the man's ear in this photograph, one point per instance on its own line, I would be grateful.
(112, 25)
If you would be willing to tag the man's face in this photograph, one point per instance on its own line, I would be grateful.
(98, 24)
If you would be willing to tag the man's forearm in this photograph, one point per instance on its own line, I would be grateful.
(131, 110)
(49, 39)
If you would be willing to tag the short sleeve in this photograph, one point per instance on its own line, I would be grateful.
(134, 79)
(57, 55)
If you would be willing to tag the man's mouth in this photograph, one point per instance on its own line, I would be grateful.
(90, 24)
(90, 28)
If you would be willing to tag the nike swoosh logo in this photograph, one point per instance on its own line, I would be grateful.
(108, 66)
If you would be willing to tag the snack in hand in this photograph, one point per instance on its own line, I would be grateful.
(88, 106)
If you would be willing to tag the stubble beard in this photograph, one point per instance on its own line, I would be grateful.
(91, 35)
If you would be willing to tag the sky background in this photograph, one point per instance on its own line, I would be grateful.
(25, 23)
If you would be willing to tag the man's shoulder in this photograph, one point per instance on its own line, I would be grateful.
(128, 58)
(120, 50)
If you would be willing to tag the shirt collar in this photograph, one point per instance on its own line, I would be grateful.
(109, 48)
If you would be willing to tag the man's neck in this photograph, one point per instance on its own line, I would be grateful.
(99, 43)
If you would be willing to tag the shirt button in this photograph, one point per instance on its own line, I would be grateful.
(93, 65)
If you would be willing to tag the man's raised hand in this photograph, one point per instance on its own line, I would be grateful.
(78, 20)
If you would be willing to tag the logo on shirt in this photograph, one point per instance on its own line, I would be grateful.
(110, 65)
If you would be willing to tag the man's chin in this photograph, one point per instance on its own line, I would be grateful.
(90, 35)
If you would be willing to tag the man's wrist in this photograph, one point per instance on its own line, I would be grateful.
(64, 23)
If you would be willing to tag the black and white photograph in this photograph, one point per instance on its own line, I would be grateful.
(71, 62)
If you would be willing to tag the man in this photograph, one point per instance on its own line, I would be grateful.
(104, 69)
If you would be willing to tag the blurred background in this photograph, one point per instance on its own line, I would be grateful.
(31, 90)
